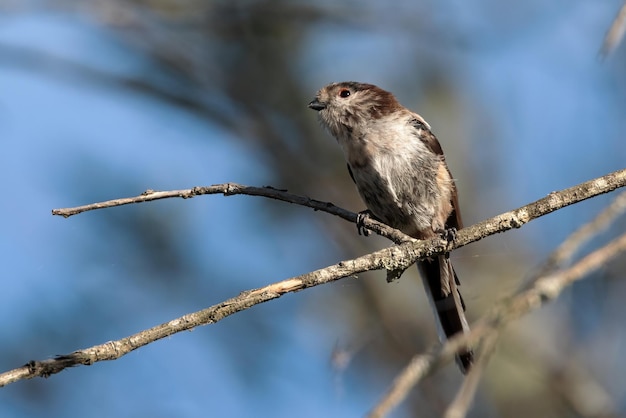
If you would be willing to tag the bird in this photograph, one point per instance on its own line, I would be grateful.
(401, 174)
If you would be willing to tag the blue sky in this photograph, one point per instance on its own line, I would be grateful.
(537, 111)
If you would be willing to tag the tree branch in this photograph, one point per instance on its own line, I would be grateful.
(566, 250)
(463, 400)
(231, 189)
(486, 331)
(393, 258)
(504, 222)
(615, 33)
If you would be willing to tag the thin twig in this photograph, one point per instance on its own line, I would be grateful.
(603, 184)
(504, 222)
(231, 189)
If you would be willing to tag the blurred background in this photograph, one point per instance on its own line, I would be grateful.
(100, 100)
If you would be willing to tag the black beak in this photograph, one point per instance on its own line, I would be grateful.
(317, 105)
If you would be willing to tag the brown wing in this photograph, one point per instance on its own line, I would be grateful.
(454, 220)
(431, 142)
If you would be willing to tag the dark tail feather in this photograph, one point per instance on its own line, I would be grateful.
(441, 282)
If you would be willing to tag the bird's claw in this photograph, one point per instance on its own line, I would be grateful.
(361, 217)
(448, 234)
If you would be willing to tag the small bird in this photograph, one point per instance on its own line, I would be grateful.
(400, 172)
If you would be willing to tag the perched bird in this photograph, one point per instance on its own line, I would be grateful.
(400, 172)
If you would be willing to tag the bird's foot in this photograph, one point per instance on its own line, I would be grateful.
(360, 222)
(448, 234)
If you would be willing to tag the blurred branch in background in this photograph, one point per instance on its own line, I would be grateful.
(485, 332)
(615, 33)
(566, 250)
(40, 61)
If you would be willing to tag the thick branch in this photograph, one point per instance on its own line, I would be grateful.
(390, 259)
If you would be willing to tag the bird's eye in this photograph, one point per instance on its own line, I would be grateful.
(344, 93)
